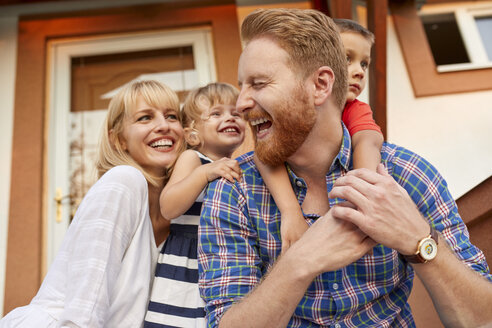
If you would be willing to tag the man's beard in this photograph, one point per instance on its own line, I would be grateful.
(294, 120)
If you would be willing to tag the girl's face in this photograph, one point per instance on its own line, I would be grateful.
(221, 131)
(152, 136)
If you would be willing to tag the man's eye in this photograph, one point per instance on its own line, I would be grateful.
(258, 85)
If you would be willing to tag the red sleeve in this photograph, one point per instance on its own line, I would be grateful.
(357, 116)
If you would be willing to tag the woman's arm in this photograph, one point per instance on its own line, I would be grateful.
(90, 259)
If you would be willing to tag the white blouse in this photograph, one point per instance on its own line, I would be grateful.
(103, 273)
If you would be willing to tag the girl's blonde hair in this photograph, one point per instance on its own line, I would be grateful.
(111, 152)
(202, 99)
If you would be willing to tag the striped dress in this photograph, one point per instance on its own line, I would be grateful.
(175, 300)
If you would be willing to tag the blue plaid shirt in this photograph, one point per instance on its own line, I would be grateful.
(240, 240)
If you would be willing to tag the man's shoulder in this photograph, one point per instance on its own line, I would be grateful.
(247, 163)
(250, 176)
(412, 171)
(399, 155)
(390, 151)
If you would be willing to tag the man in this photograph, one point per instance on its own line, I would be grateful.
(292, 75)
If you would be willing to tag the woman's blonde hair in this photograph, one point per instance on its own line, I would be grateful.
(309, 37)
(202, 99)
(111, 152)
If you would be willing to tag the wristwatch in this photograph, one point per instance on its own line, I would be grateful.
(426, 249)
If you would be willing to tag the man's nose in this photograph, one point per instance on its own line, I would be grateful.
(244, 101)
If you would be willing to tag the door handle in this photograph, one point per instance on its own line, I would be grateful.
(58, 200)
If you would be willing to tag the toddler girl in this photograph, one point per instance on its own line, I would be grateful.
(213, 130)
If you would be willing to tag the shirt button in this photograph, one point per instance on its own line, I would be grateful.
(335, 287)
(338, 325)
(299, 183)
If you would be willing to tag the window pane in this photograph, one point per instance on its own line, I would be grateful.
(484, 25)
(445, 39)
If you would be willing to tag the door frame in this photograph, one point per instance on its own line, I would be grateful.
(60, 53)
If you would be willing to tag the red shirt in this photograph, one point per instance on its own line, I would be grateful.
(357, 116)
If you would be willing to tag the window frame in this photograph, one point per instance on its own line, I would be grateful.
(426, 80)
(465, 15)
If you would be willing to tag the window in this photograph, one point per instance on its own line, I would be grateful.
(445, 40)
(426, 77)
(484, 25)
(459, 37)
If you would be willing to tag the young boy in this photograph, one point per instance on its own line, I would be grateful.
(366, 135)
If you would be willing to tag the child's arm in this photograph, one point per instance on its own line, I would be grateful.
(293, 224)
(367, 149)
(188, 179)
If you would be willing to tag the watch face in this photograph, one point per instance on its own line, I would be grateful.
(428, 249)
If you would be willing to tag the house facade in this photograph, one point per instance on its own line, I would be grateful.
(52, 96)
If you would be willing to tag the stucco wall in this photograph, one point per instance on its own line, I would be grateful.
(453, 132)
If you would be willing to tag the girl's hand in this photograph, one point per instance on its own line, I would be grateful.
(225, 167)
(292, 227)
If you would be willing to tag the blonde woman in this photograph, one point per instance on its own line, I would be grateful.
(103, 272)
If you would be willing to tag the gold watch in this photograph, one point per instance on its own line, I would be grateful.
(426, 249)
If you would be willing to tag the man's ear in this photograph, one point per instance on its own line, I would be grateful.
(115, 141)
(191, 137)
(323, 84)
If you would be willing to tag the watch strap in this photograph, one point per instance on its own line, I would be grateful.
(417, 258)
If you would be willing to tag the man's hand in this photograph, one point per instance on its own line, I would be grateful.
(384, 210)
(330, 244)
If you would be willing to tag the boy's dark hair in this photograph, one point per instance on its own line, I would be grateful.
(348, 25)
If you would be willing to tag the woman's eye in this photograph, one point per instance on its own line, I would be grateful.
(348, 59)
(364, 65)
(172, 117)
(144, 118)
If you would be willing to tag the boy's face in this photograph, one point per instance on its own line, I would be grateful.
(358, 52)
